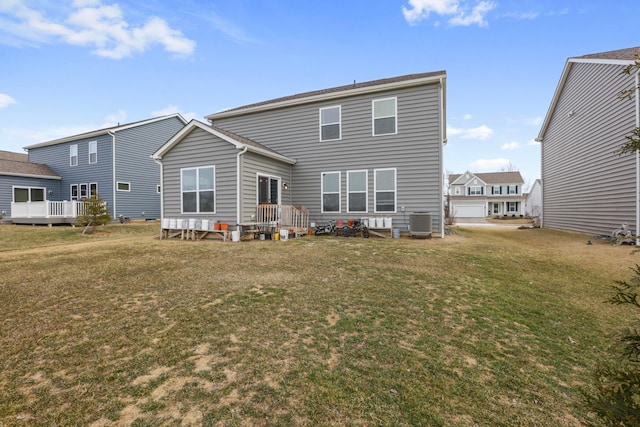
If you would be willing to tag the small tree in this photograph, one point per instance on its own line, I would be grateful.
(95, 213)
(632, 144)
(617, 397)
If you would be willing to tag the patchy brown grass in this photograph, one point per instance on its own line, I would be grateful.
(484, 327)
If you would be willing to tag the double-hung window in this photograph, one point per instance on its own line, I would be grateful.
(357, 191)
(93, 189)
(496, 189)
(198, 189)
(385, 190)
(512, 189)
(331, 192)
(93, 151)
(73, 155)
(475, 190)
(385, 116)
(74, 191)
(512, 207)
(330, 123)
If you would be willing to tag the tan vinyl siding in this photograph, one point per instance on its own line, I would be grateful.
(586, 186)
(201, 148)
(415, 151)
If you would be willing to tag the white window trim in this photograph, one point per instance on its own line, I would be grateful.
(26, 187)
(471, 193)
(514, 204)
(395, 190)
(512, 187)
(77, 191)
(373, 116)
(123, 182)
(366, 190)
(339, 122)
(95, 151)
(90, 184)
(158, 189)
(270, 177)
(86, 191)
(339, 192)
(73, 148)
(197, 191)
(457, 191)
(493, 189)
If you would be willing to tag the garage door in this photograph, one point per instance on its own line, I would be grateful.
(469, 211)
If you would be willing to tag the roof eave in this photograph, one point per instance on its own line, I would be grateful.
(29, 175)
(437, 78)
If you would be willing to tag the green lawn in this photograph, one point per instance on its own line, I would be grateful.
(486, 327)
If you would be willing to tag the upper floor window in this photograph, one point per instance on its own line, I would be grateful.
(123, 186)
(93, 151)
(198, 189)
(385, 116)
(357, 191)
(496, 189)
(385, 190)
(475, 190)
(73, 155)
(457, 190)
(330, 123)
(331, 192)
(512, 189)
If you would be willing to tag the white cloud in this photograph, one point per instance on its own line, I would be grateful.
(533, 142)
(114, 119)
(458, 12)
(511, 145)
(467, 117)
(6, 100)
(101, 27)
(489, 164)
(172, 109)
(481, 132)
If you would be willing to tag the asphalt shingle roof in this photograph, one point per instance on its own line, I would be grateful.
(22, 168)
(494, 177)
(623, 54)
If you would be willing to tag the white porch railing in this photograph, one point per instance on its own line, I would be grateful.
(47, 209)
(287, 216)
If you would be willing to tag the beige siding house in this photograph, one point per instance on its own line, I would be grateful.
(586, 185)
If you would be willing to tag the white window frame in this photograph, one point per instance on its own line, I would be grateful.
(77, 188)
(515, 207)
(512, 189)
(158, 189)
(457, 191)
(271, 179)
(475, 190)
(374, 117)
(127, 184)
(93, 185)
(73, 155)
(366, 191)
(339, 123)
(29, 194)
(93, 150)
(339, 192)
(494, 187)
(198, 190)
(375, 190)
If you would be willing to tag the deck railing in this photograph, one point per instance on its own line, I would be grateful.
(286, 216)
(47, 209)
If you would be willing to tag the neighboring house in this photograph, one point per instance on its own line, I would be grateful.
(586, 185)
(363, 150)
(476, 195)
(114, 163)
(23, 181)
(533, 200)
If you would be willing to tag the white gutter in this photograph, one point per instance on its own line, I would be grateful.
(443, 130)
(239, 185)
(113, 165)
(637, 160)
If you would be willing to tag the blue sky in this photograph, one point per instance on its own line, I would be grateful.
(70, 66)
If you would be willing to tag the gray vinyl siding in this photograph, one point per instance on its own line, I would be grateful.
(586, 186)
(200, 148)
(7, 183)
(252, 165)
(415, 151)
(57, 158)
(134, 147)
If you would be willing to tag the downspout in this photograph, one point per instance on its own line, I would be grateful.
(443, 130)
(637, 160)
(159, 162)
(113, 165)
(239, 185)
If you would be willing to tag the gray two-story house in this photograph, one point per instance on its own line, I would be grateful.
(477, 195)
(114, 163)
(586, 185)
(371, 149)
